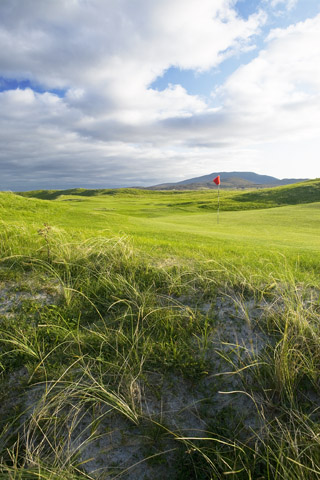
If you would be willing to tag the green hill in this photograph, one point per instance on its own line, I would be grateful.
(184, 223)
(304, 192)
(83, 192)
(294, 194)
(137, 332)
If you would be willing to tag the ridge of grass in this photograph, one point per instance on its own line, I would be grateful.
(85, 192)
(302, 192)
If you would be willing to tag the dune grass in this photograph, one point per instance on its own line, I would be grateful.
(125, 327)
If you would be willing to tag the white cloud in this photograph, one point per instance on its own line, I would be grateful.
(288, 4)
(278, 93)
(110, 126)
(116, 48)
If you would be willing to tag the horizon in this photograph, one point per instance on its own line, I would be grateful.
(104, 95)
(148, 186)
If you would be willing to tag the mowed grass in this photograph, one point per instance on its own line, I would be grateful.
(184, 224)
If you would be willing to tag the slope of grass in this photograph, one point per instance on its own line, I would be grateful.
(128, 320)
(303, 192)
(173, 224)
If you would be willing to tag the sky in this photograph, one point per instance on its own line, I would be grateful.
(113, 93)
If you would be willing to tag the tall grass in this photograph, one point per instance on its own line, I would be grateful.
(81, 368)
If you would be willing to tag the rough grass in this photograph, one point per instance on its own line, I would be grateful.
(177, 224)
(178, 350)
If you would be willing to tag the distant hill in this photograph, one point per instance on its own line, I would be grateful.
(228, 180)
(79, 192)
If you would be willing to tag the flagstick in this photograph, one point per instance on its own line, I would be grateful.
(217, 182)
(218, 203)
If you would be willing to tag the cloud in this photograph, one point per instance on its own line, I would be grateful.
(109, 127)
(278, 93)
(104, 55)
(288, 4)
(109, 38)
(116, 48)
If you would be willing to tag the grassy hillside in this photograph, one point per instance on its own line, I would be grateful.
(304, 192)
(141, 339)
(185, 224)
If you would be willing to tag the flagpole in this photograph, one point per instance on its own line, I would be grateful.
(217, 182)
(218, 203)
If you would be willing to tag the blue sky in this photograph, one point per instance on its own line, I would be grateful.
(138, 92)
(201, 83)
(23, 84)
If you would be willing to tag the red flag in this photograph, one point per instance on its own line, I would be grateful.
(217, 180)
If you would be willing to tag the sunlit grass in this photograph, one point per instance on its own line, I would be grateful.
(130, 316)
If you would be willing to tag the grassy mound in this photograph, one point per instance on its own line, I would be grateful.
(303, 192)
(185, 350)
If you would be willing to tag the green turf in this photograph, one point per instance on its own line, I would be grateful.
(185, 223)
(134, 282)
